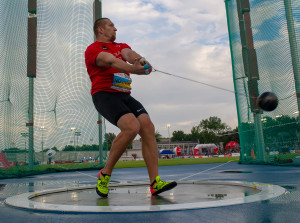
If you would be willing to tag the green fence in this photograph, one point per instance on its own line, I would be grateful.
(265, 42)
(45, 100)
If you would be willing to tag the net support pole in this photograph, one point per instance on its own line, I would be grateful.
(251, 71)
(228, 13)
(31, 74)
(293, 47)
(97, 15)
(31, 126)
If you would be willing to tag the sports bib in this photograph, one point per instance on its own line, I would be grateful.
(121, 82)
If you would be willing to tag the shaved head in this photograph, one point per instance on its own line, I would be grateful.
(100, 23)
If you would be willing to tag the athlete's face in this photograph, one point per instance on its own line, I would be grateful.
(109, 31)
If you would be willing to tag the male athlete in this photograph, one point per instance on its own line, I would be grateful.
(109, 65)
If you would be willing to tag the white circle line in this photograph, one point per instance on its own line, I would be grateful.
(266, 191)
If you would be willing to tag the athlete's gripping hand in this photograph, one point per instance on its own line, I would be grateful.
(141, 68)
(146, 64)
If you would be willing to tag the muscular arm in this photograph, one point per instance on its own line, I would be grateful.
(130, 55)
(108, 60)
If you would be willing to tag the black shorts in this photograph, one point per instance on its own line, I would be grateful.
(113, 105)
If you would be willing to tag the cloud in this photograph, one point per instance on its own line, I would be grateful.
(184, 38)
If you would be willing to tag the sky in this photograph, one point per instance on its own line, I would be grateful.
(185, 38)
(188, 39)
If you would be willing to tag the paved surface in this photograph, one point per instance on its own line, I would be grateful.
(281, 209)
(140, 195)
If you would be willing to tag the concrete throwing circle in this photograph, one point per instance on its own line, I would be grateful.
(136, 197)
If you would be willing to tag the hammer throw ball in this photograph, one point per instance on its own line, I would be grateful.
(267, 101)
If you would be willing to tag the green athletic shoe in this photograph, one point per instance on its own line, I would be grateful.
(160, 186)
(102, 184)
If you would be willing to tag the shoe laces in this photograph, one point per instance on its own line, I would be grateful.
(104, 180)
(160, 182)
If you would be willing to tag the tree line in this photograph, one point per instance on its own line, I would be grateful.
(211, 130)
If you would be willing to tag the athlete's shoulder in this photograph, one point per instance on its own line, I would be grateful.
(95, 48)
(122, 45)
(93, 45)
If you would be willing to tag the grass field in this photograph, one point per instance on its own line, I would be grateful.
(23, 171)
(170, 162)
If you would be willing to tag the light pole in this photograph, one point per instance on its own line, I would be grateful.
(77, 134)
(73, 129)
(168, 127)
(25, 135)
(42, 128)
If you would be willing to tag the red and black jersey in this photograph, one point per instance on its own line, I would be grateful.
(106, 78)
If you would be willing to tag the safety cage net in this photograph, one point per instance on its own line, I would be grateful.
(47, 119)
(265, 42)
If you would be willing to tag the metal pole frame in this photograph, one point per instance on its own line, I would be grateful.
(251, 71)
(31, 74)
(97, 15)
(293, 47)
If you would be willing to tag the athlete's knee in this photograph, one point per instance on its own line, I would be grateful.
(133, 128)
(130, 128)
(147, 127)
